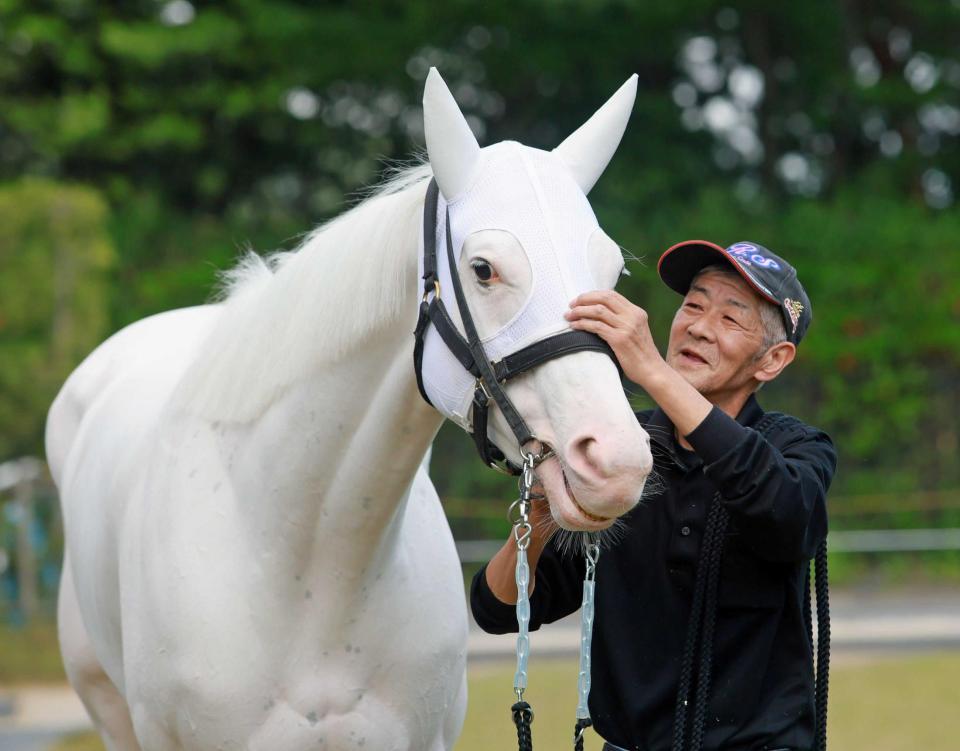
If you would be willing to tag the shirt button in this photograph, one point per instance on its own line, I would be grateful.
(685, 530)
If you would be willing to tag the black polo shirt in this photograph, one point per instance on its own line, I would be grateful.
(762, 689)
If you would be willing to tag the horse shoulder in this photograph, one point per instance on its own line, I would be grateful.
(160, 338)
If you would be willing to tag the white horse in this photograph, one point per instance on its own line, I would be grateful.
(256, 557)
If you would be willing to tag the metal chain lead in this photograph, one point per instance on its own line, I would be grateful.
(586, 631)
(521, 533)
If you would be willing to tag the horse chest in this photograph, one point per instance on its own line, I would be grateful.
(325, 655)
(307, 679)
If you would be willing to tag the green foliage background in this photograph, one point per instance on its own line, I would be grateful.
(142, 144)
(56, 255)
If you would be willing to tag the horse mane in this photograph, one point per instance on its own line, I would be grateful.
(282, 316)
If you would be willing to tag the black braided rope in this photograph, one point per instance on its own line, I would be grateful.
(716, 529)
(822, 686)
(693, 633)
(689, 653)
(578, 733)
(522, 717)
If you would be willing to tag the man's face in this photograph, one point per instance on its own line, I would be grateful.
(716, 336)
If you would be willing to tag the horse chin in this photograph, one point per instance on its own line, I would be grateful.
(566, 510)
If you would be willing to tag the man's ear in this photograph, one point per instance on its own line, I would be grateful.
(774, 360)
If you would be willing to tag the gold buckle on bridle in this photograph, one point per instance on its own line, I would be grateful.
(436, 291)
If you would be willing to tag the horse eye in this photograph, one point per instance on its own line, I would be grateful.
(483, 270)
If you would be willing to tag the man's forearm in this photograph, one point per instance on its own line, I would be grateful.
(684, 405)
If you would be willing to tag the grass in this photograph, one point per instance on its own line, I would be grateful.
(552, 693)
(80, 742)
(896, 704)
(901, 703)
(30, 654)
(889, 703)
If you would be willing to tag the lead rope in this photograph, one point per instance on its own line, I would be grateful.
(521, 710)
(709, 558)
(586, 637)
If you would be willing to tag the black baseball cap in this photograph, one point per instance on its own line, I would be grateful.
(768, 274)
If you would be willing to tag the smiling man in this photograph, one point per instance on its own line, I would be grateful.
(743, 314)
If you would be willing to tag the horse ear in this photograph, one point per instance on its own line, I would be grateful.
(589, 149)
(451, 145)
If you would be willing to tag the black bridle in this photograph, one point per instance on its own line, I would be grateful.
(490, 376)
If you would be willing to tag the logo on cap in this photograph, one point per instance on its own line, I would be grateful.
(794, 308)
(749, 255)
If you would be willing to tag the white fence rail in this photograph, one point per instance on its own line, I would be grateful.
(893, 540)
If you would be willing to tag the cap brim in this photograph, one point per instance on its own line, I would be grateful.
(680, 263)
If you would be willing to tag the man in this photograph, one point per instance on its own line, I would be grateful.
(743, 314)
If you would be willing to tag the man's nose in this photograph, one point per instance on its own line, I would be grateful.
(702, 328)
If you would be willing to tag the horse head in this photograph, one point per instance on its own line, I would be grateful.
(525, 242)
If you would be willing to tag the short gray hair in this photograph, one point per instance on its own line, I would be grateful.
(774, 330)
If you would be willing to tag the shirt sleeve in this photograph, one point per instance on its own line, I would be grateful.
(776, 494)
(556, 593)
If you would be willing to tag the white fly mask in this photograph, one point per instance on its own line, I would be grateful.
(539, 198)
(532, 195)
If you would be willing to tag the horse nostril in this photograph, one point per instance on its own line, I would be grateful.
(586, 457)
(594, 459)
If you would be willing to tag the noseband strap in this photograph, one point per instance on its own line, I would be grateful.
(469, 352)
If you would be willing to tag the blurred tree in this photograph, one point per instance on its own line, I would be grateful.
(55, 254)
(291, 104)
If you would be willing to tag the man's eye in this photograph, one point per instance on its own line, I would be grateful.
(483, 270)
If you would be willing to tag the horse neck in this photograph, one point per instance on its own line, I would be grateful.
(343, 446)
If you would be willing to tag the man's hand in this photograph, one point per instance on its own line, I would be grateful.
(623, 326)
